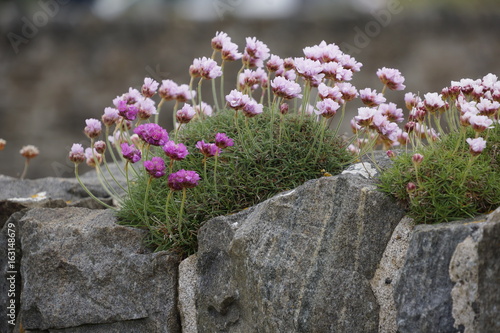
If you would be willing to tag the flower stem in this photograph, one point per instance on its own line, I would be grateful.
(181, 211)
(26, 164)
(88, 191)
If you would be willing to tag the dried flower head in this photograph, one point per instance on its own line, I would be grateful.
(29, 151)
(2, 144)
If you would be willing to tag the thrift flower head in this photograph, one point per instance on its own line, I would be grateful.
(392, 78)
(100, 146)
(205, 68)
(335, 71)
(274, 63)
(183, 179)
(285, 88)
(219, 40)
(349, 92)
(222, 140)
(149, 87)
(146, 108)
(411, 100)
(330, 92)
(255, 52)
(476, 146)
(433, 102)
(311, 70)
(77, 154)
(230, 52)
(130, 152)
(127, 104)
(152, 133)
(487, 107)
(207, 149)
(110, 116)
(417, 158)
(237, 99)
(252, 108)
(93, 157)
(392, 112)
(480, 123)
(327, 108)
(2, 144)
(93, 128)
(175, 151)
(411, 187)
(168, 90)
(370, 97)
(284, 108)
(185, 114)
(155, 167)
(204, 108)
(29, 151)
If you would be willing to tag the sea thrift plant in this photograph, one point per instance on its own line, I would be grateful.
(28, 152)
(274, 128)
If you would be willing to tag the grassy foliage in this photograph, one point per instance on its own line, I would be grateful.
(264, 161)
(449, 186)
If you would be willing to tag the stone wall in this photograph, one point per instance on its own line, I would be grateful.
(333, 255)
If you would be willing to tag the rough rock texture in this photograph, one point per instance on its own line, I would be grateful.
(303, 258)
(388, 273)
(450, 279)
(188, 292)
(81, 272)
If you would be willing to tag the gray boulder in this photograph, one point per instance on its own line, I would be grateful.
(298, 262)
(451, 277)
(81, 272)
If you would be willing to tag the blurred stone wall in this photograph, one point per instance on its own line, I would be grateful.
(70, 70)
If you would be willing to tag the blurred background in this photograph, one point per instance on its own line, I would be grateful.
(63, 61)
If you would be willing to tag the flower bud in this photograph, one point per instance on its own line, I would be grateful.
(417, 158)
(284, 108)
(100, 146)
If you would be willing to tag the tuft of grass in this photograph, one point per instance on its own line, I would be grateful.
(449, 187)
(272, 153)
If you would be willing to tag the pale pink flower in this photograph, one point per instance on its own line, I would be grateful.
(93, 128)
(349, 62)
(480, 123)
(327, 108)
(146, 108)
(110, 116)
(219, 40)
(230, 52)
(274, 63)
(330, 92)
(252, 108)
(285, 88)
(168, 90)
(476, 146)
(236, 99)
(349, 92)
(434, 102)
(370, 97)
(309, 69)
(417, 158)
(335, 71)
(411, 100)
(206, 68)
(365, 116)
(204, 109)
(487, 107)
(185, 114)
(77, 154)
(391, 78)
(255, 52)
(149, 87)
(392, 112)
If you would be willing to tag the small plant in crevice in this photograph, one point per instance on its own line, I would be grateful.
(275, 129)
(452, 173)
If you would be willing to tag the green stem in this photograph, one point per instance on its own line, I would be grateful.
(88, 191)
(146, 201)
(157, 115)
(26, 164)
(181, 211)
